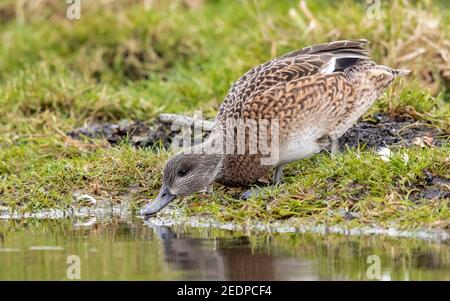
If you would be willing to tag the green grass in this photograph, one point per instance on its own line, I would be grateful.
(123, 61)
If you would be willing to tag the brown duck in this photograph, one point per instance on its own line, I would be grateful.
(313, 95)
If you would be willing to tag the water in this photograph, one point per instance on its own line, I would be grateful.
(127, 248)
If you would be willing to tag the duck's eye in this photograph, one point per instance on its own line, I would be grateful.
(182, 172)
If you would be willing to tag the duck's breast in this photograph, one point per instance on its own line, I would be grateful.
(360, 105)
(302, 143)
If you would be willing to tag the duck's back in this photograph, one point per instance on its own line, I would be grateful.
(303, 91)
(316, 59)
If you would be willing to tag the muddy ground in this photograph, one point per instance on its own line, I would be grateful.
(380, 131)
(385, 131)
(137, 133)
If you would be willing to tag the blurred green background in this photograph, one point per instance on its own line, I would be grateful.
(134, 58)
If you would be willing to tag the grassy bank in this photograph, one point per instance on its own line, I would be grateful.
(127, 60)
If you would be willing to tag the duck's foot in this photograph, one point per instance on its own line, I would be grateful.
(254, 192)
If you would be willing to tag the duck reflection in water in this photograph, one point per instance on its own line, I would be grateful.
(225, 258)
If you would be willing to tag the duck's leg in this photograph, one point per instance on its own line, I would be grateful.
(334, 146)
(252, 192)
(278, 175)
(261, 191)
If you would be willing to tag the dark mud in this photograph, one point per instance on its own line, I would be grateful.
(433, 187)
(137, 133)
(381, 131)
(385, 131)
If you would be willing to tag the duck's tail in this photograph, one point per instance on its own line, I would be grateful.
(402, 72)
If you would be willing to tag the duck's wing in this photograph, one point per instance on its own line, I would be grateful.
(313, 104)
(316, 59)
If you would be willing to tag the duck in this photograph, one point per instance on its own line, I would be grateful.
(307, 98)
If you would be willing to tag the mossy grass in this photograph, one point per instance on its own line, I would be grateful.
(123, 61)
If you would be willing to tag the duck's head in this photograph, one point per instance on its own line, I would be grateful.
(184, 174)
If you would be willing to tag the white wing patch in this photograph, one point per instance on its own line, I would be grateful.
(329, 67)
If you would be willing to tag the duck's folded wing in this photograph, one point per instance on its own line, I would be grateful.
(315, 102)
(321, 58)
(342, 48)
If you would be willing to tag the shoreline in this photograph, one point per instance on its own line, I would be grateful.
(173, 217)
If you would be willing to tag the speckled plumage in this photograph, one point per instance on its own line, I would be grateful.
(316, 93)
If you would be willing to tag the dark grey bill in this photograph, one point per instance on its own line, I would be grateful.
(164, 198)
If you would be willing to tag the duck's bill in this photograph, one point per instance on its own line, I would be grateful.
(164, 198)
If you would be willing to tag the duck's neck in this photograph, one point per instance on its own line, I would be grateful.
(211, 154)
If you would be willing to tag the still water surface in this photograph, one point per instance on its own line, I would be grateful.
(36, 249)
